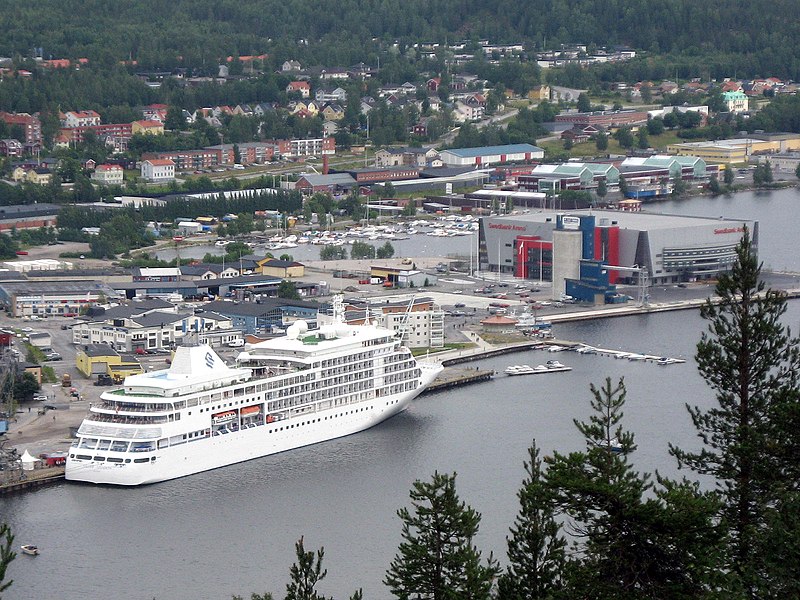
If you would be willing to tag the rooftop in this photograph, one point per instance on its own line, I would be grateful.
(484, 150)
(625, 220)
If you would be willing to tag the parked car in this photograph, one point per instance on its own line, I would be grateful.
(52, 356)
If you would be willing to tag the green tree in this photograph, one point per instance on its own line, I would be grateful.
(385, 251)
(6, 555)
(361, 250)
(750, 444)
(410, 209)
(8, 246)
(305, 574)
(623, 186)
(288, 289)
(536, 550)
(714, 186)
(601, 141)
(175, 121)
(568, 144)
(641, 139)
(655, 126)
(678, 186)
(797, 171)
(602, 189)
(728, 176)
(584, 104)
(624, 137)
(631, 539)
(436, 559)
(332, 253)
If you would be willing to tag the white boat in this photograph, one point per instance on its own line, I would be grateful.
(586, 350)
(556, 348)
(30, 550)
(200, 414)
(637, 357)
(528, 370)
(221, 243)
(554, 364)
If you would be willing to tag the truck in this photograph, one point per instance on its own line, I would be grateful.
(66, 380)
(375, 280)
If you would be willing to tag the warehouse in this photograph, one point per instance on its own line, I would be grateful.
(491, 155)
(52, 298)
(550, 246)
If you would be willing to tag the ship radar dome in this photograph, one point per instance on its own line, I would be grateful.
(302, 326)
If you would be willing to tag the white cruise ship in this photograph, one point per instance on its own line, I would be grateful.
(200, 414)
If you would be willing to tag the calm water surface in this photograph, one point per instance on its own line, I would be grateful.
(232, 531)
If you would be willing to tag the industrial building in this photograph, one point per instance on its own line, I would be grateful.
(488, 155)
(578, 250)
(52, 298)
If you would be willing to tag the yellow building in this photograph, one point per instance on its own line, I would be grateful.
(280, 268)
(539, 92)
(96, 359)
(738, 150)
(147, 127)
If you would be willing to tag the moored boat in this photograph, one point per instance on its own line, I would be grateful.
(200, 414)
(30, 549)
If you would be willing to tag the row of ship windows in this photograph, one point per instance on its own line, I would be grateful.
(111, 459)
(301, 424)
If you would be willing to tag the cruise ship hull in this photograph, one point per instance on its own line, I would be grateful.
(219, 451)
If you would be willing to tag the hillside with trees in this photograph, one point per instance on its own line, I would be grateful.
(751, 38)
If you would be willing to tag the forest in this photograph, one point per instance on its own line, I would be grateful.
(741, 37)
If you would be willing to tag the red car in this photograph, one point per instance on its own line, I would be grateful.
(22, 253)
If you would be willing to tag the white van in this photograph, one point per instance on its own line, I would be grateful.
(238, 343)
(238, 167)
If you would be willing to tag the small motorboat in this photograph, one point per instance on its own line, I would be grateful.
(30, 550)
(554, 364)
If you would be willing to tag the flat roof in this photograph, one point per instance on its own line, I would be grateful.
(491, 150)
(55, 287)
(624, 219)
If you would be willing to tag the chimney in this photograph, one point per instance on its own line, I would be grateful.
(324, 164)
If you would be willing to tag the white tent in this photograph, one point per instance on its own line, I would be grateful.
(28, 461)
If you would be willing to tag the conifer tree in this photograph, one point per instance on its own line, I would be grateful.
(305, 574)
(750, 438)
(6, 554)
(536, 551)
(627, 545)
(436, 559)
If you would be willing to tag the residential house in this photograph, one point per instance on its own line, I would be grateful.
(290, 65)
(39, 176)
(389, 157)
(433, 84)
(324, 95)
(10, 148)
(333, 112)
(735, 102)
(29, 124)
(465, 112)
(147, 127)
(158, 169)
(81, 118)
(539, 93)
(330, 128)
(330, 73)
(108, 174)
(303, 87)
(155, 112)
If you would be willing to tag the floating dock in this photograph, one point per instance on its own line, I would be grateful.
(33, 479)
(581, 348)
(450, 378)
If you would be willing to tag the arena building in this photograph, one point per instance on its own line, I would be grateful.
(569, 247)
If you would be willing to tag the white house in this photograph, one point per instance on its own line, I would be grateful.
(108, 174)
(81, 118)
(158, 169)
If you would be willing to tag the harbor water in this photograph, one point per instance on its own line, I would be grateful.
(232, 531)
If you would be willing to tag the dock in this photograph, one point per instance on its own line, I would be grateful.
(556, 345)
(453, 377)
(33, 479)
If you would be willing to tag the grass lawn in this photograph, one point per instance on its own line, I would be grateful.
(589, 149)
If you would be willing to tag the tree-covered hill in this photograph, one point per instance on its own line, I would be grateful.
(757, 37)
